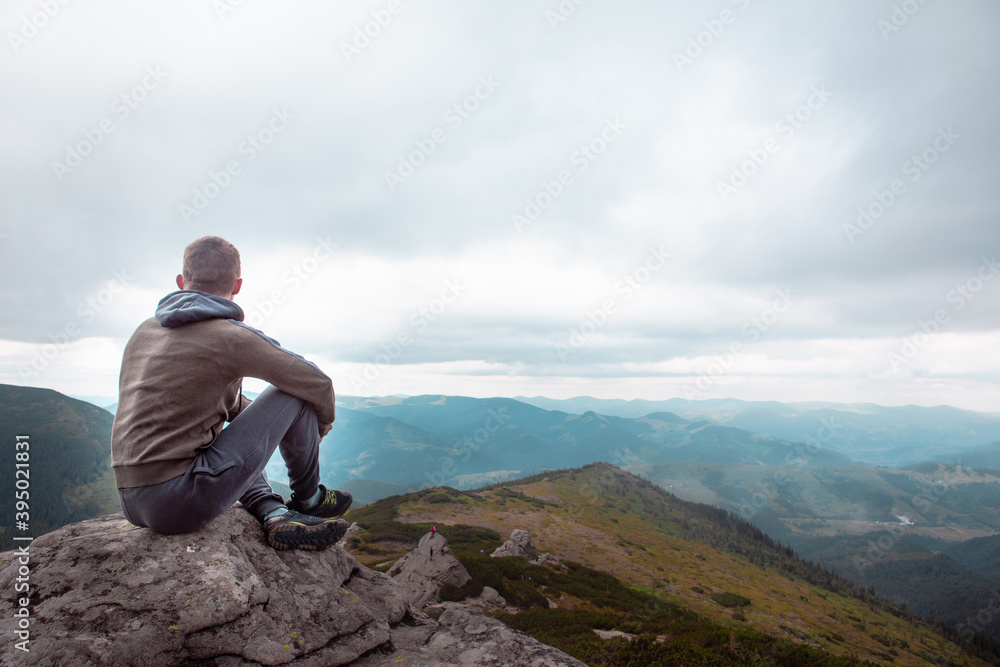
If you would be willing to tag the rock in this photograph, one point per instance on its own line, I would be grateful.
(468, 638)
(422, 573)
(491, 596)
(519, 545)
(548, 560)
(613, 634)
(488, 600)
(105, 592)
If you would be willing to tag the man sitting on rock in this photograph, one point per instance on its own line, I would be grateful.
(175, 465)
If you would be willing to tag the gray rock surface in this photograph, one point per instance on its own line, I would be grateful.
(465, 637)
(519, 546)
(104, 592)
(548, 560)
(489, 600)
(490, 597)
(422, 573)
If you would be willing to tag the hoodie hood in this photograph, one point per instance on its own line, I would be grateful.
(186, 306)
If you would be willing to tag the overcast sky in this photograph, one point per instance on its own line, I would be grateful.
(629, 199)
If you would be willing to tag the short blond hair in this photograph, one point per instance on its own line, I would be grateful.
(211, 264)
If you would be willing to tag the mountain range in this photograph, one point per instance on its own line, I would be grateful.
(924, 520)
(465, 441)
(868, 433)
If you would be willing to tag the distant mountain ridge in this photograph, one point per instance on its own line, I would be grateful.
(865, 432)
(432, 440)
(986, 457)
(868, 433)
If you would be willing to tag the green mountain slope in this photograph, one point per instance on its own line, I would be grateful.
(904, 533)
(928, 582)
(70, 477)
(688, 558)
(981, 556)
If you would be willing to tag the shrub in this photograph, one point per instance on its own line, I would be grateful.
(730, 599)
(451, 593)
(369, 549)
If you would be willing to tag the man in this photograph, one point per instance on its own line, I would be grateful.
(175, 465)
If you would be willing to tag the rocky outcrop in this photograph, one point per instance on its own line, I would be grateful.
(104, 592)
(422, 573)
(548, 560)
(107, 593)
(468, 638)
(489, 600)
(519, 545)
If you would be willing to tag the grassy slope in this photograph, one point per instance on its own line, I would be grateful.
(611, 521)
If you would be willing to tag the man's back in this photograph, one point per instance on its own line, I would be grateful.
(180, 382)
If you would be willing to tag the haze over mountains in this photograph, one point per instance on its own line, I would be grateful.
(863, 433)
(868, 433)
(464, 441)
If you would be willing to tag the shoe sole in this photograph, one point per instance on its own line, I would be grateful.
(309, 538)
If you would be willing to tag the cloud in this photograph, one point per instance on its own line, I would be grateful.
(809, 114)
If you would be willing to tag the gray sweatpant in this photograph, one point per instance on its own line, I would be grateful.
(232, 468)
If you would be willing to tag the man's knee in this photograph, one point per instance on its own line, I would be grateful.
(272, 393)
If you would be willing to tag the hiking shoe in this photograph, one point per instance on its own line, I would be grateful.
(332, 503)
(294, 530)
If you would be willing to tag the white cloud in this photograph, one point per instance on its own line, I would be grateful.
(657, 184)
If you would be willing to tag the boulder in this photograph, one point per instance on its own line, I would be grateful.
(465, 637)
(492, 597)
(548, 560)
(420, 574)
(488, 600)
(519, 545)
(104, 592)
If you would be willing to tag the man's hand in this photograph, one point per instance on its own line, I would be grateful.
(324, 429)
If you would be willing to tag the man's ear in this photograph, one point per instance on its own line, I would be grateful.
(237, 285)
(180, 281)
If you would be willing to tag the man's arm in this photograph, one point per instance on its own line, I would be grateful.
(262, 357)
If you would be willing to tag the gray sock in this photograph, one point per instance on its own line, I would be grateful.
(277, 512)
(314, 501)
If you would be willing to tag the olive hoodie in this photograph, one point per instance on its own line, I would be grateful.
(181, 380)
